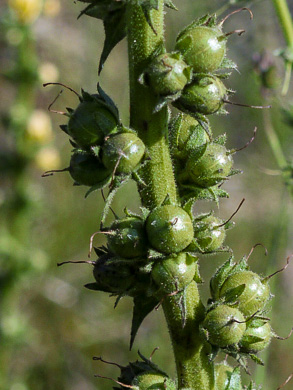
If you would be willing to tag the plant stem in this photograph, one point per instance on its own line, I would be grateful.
(151, 127)
(194, 370)
(285, 20)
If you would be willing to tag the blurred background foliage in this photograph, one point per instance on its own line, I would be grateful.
(50, 326)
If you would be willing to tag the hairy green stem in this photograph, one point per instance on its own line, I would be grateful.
(194, 370)
(286, 23)
(151, 127)
(285, 20)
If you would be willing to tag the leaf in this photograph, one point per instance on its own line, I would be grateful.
(252, 339)
(256, 359)
(147, 6)
(115, 30)
(233, 294)
(169, 4)
(109, 102)
(142, 307)
(235, 380)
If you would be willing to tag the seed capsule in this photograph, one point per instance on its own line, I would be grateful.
(186, 135)
(169, 229)
(211, 168)
(128, 239)
(174, 273)
(224, 326)
(205, 95)
(167, 74)
(255, 294)
(86, 169)
(202, 47)
(222, 375)
(208, 234)
(249, 342)
(122, 152)
(90, 123)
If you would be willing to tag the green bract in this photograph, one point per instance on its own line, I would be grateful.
(86, 169)
(256, 338)
(90, 123)
(211, 168)
(255, 294)
(169, 229)
(224, 326)
(127, 238)
(209, 234)
(174, 273)
(202, 47)
(204, 95)
(222, 375)
(186, 135)
(167, 74)
(122, 152)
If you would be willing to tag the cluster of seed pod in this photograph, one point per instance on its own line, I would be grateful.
(235, 320)
(103, 148)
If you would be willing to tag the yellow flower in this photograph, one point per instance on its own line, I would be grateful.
(26, 11)
(39, 128)
(47, 158)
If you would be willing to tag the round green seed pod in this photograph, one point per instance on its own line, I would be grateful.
(248, 345)
(169, 229)
(153, 381)
(174, 273)
(208, 234)
(90, 123)
(114, 276)
(205, 95)
(224, 326)
(86, 169)
(211, 168)
(202, 47)
(122, 152)
(168, 74)
(255, 294)
(186, 135)
(128, 239)
(222, 375)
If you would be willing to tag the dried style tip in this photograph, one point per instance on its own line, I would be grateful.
(99, 358)
(253, 248)
(235, 212)
(51, 173)
(77, 262)
(63, 85)
(245, 105)
(280, 270)
(248, 143)
(286, 381)
(235, 12)
(114, 380)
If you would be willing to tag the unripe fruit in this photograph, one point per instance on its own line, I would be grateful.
(222, 375)
(123, 152)
(90, 123)
(186, 135)
(174, 273)
(128, 239)
(169, 229)
(255, 294)
(167, 74)
(86, 169)
(208, 234)
(153, 381)
(205, 95)
(224, 326)
(211, 168)
(202, 47)
(264, 332)
(113, 276)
